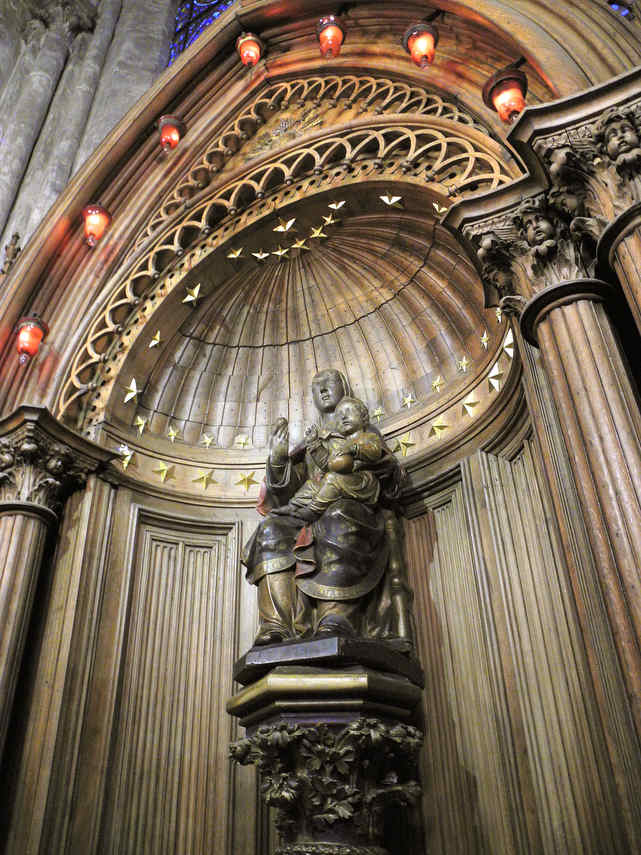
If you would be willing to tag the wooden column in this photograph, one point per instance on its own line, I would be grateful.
(620, 250)
(40, 461)
(601, 423)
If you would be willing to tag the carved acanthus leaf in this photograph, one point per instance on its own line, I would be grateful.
(38, 469)
(319, 777)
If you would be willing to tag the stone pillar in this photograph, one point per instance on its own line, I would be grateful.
(49, 28)
(40, 461)
(331, 728)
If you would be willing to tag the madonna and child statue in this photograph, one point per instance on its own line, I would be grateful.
(327, 557)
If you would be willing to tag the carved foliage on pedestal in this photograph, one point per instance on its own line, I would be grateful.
(329, 778)
(68, 17)
(38, 469)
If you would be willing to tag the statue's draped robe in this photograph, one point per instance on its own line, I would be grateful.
(341, 558)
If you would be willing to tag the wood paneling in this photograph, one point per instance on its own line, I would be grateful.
(170, 775)
(515, 760)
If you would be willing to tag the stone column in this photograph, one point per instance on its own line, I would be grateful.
(48, 30)
(40, 461)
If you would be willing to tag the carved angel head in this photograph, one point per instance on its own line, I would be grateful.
(536, 224)
(617, 136)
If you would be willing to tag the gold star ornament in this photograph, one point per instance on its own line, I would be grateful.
(463, 364)
(140, 424)
(193, 294)
(403, 443)
(246, 480)
(204, 478)
(436, 384)
(172, 433)
(131, 391)
(206, 440)
(336, 206)
(127, 455)
(260, 255)
(164, 471)
(301, 243)
(155, 340)
(317, 233)
(242, 441)
(485, 339)
(285, 225)
(280, 252)
(408, 400)
(508, 344)
(330, 220)
(468, 407)
(438, 427)
(494, 378)
(235, 253)
(391, 201)
(378, 413)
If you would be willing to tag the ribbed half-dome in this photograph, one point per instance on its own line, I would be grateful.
(389, 301)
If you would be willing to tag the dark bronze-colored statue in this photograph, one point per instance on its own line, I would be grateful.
(328, 556)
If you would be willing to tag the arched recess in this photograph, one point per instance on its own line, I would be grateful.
(205, 82)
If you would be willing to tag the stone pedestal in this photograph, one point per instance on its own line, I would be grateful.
(336, 743)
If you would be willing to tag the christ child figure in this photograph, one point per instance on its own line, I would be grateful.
(353, 451)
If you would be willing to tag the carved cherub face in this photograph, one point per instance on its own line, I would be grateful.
(327, 390)
(538, 229)
(620, 138)
(351, 416)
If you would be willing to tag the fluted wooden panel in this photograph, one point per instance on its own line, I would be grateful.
(518, 760)
(170, 777)
(567, 755)
(472, 800)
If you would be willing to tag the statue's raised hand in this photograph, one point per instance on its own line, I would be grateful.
(279, 443)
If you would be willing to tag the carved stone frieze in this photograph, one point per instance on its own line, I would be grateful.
(37, 465)
(334, 779)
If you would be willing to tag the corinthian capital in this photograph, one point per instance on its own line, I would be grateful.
(41, 461)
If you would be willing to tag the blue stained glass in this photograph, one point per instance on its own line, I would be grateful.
(192, 18)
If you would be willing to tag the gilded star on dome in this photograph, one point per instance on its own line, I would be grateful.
(172, 433)
(132, 390)
(236, 253)
(155, 341)
(408, 400)
(336, 206)
(192, 295)
(403, 443)
(436, 384)
(494, 378)
(164, 471)
(246, 481)
(206, 440)
(330, 220)
(285, 225)
(280, 252)
(485, 339)
(205, 478)
(437, 427)
(317, 232)
(301, 243)
(260, 255)
(463, 364)
(140, 424)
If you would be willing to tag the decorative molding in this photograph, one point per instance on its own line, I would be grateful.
(41, 461)
(253, 132)
(562, 294)
(460, 161)
(68, 17)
